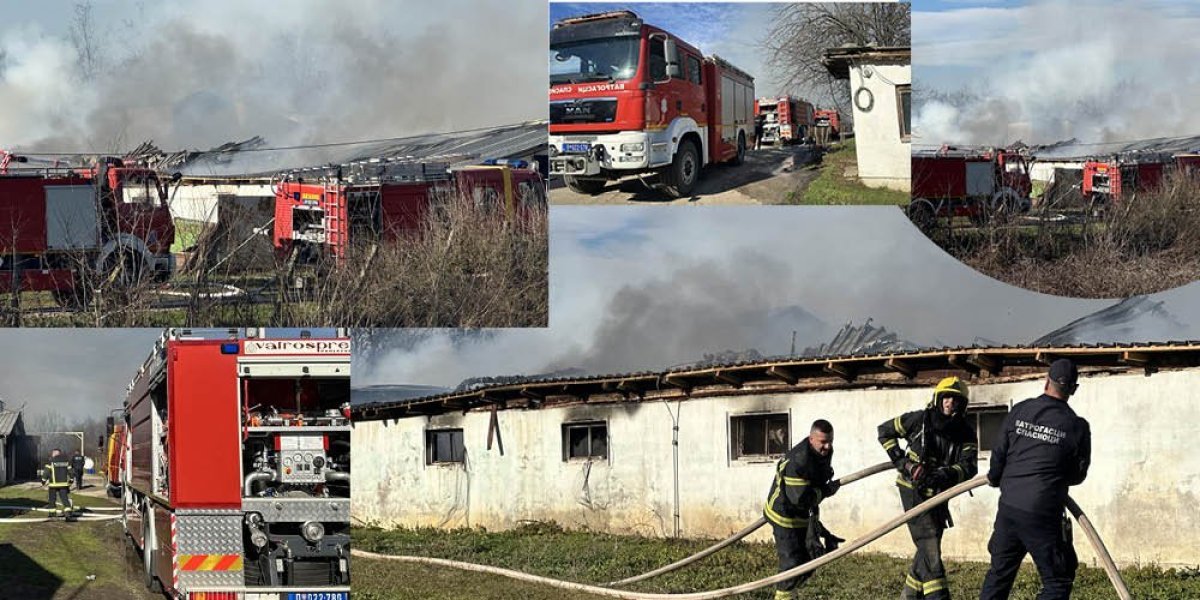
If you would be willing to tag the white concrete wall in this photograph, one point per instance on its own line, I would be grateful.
(199, 202)
(1142, 492)
(1044, 171)
(884, 159)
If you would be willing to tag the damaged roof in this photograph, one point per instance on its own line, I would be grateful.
(254, 158)
(1074, 150)
(916, 368)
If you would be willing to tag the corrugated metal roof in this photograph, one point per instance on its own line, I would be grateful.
(1074, 150)
(8, 420)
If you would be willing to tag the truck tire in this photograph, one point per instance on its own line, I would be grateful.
(740, 157)
(152, 582)
(922, 214)
(589, 187)
(680, 178)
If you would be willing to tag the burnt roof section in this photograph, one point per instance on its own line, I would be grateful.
(921, 367)
(1074, 150)
(838, 60)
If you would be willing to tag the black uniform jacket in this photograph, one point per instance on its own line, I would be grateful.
(1043, 448)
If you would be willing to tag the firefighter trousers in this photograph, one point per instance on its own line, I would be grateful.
(926, 578)
(791, 546)
(1045, 539)
(60, 493)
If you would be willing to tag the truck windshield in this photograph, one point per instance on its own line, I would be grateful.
(611, 59)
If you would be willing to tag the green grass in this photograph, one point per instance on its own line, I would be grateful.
(832, 186)
(187, 232)
(54, 560)
(596, 558)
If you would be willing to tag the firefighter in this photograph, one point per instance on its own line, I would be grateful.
(1043, 448)
(759, 123)
(77, 462)
(941, 452)
(803, 477)
(56, 475)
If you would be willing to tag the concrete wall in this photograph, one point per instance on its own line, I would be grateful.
(884, 159)
(199, 202)
(1142, 491)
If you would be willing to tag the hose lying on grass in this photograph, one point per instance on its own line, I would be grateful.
(753, 585)
(80, 518)
(85, 509)
(851, 478)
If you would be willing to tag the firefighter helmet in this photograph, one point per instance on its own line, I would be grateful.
(950, 385)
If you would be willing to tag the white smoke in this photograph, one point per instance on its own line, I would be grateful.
(1097, 70)
(199, 73)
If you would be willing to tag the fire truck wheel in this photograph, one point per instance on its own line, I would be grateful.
(922, 214)
(680, 177)
(740, 157)
(590, 187)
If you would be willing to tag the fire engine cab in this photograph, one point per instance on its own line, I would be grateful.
(628, 98)
(237, 465)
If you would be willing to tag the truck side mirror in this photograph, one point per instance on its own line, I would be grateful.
(672, 51)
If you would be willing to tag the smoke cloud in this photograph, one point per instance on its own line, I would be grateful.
(198, 73)
(1097, 70)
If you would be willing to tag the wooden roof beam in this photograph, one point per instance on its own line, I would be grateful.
(992, 364)
(959, 361)
(783, 374)
(899, 366)
(730, 378)
(842, 370)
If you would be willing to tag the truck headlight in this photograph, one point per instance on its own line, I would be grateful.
(312, 531)
(634, 147)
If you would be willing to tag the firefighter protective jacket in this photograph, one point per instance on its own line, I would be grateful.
(801, 481)
(57, 472)
(949, 450)
(1043, 448)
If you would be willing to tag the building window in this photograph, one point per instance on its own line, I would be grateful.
(904, 103)
(585, 441)
(759, 436)
(693, 69)
(988, 421)
(444, 446)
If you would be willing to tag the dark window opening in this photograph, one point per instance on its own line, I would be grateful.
(759, 436)
(585, 441)
(988, 421)
(658, 60)
(693, 69)
(904, 98)
(444, 446)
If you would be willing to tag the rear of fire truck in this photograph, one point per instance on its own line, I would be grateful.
(238, 473)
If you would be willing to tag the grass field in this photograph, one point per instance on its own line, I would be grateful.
(61, 561)
(596, 558)
(833, 187)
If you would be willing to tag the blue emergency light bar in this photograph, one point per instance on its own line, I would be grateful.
(230, 348)
(507, 162)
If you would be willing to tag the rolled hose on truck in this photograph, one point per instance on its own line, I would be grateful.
(1093, 536)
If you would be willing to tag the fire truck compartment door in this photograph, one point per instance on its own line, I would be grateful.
(70, 217)
(980, 181)
(310, 367)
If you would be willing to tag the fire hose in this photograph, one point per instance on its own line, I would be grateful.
(867, 472)
(1092, 535)
(83, 514)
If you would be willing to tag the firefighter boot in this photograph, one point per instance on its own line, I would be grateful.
(782, 595)
(912, 588)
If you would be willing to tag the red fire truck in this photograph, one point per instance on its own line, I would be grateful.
(237, 470)
(628, 98)
(1110, 180)
(827, 125)
(787, 120)
(319, 211)
(57, 225)
(974, 183)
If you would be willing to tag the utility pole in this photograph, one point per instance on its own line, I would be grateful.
(793, 342)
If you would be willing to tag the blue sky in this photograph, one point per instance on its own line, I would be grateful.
(729, 30)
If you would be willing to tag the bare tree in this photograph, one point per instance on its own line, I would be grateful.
(83, 38)
(802, 32)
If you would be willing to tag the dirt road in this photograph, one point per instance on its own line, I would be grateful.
(769, 176)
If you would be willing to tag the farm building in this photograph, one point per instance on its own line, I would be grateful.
(880, 81)
(18, 451)
(691, 452)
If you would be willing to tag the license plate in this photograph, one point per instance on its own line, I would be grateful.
(576, 148)
(318, 596)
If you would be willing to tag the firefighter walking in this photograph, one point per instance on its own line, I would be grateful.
(1043, 448)
(56, 476)
(803, 478)
(77, 464)
(940, 452)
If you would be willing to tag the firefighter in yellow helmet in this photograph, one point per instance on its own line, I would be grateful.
(56, 475)
(939, 452)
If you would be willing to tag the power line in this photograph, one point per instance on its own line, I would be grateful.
(308, 146)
